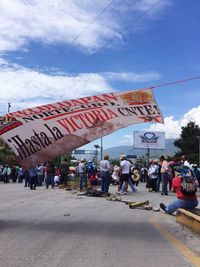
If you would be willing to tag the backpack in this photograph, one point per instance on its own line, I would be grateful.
(90, 167)
(188, 184)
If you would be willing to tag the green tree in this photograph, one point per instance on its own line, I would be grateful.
(188, 143)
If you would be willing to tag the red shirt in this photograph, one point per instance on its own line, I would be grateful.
(176, 183)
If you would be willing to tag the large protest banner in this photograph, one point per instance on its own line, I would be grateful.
(44, 132)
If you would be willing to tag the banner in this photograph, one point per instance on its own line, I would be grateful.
(154, 140)
(42, 133)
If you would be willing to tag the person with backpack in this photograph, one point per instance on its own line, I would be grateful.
(89, 169)
(185, 186)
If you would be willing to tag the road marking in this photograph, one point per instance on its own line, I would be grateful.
(190, 255)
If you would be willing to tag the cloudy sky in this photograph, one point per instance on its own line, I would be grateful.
(63, 49)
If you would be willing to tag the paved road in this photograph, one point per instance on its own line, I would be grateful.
(58, 228)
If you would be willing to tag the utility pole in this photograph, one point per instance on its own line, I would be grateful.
(9, 106)
(198, 137)
(96, 156)
(101, 148)
(4, 144)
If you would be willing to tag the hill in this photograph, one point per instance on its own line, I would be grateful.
(115, 152)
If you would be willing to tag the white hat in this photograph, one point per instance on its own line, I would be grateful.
(123, 156)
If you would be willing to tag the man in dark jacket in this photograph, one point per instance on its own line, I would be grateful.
(64, 172)
(50, 173)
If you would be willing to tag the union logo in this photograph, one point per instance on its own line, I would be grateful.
(137, 98)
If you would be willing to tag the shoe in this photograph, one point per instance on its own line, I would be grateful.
(162, 206)
(117, 193)
(162, 193)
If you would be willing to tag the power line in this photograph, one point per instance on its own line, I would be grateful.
(122, 30)
(175, 82)
(83, 31)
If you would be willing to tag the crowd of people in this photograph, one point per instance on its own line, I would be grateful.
(160, 176)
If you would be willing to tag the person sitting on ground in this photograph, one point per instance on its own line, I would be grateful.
(185, 201)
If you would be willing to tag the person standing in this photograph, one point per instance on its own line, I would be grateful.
(64, 172)
(82, 174)
(6, 174)
(27, 178)
(33, 177)
(153, 174)
(164, 175)
(13, 174)
(50, 173)
(125, 167)
(104, 167)
(40, 174)
(196, 172)
(21, 174)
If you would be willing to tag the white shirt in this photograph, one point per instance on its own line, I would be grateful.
(104, 165)
(125, 166)
(153, 171)
(187, 164)
(81, 167)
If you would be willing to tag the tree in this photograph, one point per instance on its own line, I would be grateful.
(188, 143)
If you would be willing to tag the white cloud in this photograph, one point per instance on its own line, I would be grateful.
(132, 77)
(60, 21)
(171, 127)
(25, 87)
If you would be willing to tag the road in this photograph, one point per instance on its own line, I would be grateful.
(58, 228)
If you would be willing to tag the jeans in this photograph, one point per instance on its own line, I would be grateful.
(105, 181)
(154, 184)
(164, 182)
(50, 180)
(180, 203)
(83, 177)
(123, 189)
(33, 182)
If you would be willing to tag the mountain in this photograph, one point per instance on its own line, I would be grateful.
(115, 152)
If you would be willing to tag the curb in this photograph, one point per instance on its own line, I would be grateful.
(189, 219)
